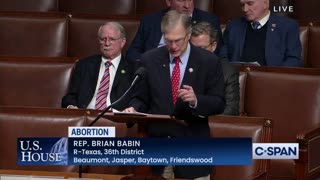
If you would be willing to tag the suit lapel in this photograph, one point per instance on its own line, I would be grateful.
(121, 72)
(242, 35)
(157, 34)
(163, 69)
(270, 38)
(191, 68)
(94, 74)
(195, 17)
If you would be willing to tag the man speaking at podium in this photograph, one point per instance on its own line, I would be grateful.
(183, 81)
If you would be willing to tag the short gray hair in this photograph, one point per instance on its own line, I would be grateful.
(204, 28)
(116, 25)
(172, 18)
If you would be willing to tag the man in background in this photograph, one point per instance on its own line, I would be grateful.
(263, 38)
(183, 81)
(204, 36)
(99, 80)
(149, 34)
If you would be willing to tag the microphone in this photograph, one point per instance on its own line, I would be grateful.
(139, 74)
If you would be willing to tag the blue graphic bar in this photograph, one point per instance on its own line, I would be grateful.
(134, 151)
(42, 151)
(160, 151)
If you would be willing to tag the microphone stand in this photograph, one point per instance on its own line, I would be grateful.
(107, 109)
(114, 103)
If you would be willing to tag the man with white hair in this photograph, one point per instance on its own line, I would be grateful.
(263, 38)
(99, 80)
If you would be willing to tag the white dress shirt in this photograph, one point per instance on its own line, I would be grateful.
(112, 71)
(264, 20)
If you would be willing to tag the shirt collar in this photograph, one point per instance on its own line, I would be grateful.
(264, 20)
(114, 62)
(183, 57)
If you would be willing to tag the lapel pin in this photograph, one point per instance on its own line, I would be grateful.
(273, 26)
(123, 71)
(190, 70)
(163, 65)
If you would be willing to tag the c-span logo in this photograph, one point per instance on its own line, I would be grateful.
(275, 151)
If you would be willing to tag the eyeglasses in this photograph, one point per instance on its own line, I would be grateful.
(111, 40)
(178, 42)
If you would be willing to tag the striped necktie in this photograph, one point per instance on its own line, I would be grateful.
(255, 25)
(101, 99)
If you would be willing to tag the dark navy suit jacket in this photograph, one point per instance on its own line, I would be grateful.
(282, 48)
(154, 95)
(84, 81)
(149, 33)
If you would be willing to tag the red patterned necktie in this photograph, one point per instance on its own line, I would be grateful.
(175, 79)
(101, 99)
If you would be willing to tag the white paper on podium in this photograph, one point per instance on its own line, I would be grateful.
(131, 114)
(27, 177)
(46, 178)
(84, 179)
(13, 177)
(255, 63)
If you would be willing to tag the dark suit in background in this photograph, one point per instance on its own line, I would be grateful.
(204, 73)
(84, 81)
(232, 88)
(149, 33)
(204, 36)
(282, 46)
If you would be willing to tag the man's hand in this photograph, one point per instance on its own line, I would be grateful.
(129, 110)
(187, 95)
(72, 107)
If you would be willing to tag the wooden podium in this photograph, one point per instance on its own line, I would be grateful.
(69, 175)
(143, 121)
(48, 122)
